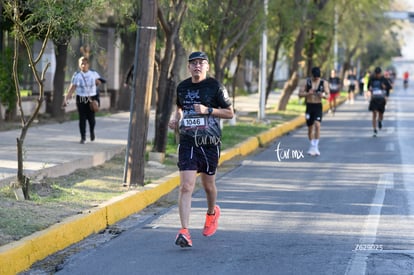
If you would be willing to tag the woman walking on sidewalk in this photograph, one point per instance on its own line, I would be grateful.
(84, 83)
(201, 102)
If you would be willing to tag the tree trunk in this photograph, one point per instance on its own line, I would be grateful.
(310, 52)
(167, 78)
(23, 181)
(121, 100)
(165, 92)
(291, 85)
(235, 80)
(142, 100)
(273, 68)
(164, 109)
(288, 90)
(59, 81)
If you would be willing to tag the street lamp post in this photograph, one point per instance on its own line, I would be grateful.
(262, 79)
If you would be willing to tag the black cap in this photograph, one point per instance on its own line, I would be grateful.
(198, 55)
(316, 72)
(378, 70)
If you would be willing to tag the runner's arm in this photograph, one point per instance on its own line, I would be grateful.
(326, 90)
(175, 118)
(226, 113)
(303, 92)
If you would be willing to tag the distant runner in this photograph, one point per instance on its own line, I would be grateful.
(314, 90)
(334, 87)
(377, 86)
(406, 75)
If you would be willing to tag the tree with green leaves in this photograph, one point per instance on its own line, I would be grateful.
(216, 31)
(378, 42)
(71, 17)
(223, 29)
(359, 24)
(123, 17)
(7, 89)
(40, 21)
(295, 51)
(170, 18)
(282, 24)
(23, 32)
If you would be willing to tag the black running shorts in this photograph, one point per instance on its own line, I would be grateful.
(313, 113)
(377, 103)
(203, 159)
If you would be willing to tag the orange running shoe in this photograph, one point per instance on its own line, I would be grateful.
(211, 224)
(183, 238)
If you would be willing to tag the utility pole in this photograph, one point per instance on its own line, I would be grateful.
(263, 59)
(131, 103)
(336, 40)
(144, 70)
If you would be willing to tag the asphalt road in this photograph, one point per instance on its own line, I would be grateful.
(349, 211)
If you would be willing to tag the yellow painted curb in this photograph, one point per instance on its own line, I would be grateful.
(128, 204)
(293, 124)
(229, 154)
(249, 146)
(20, 255)
(270, 135)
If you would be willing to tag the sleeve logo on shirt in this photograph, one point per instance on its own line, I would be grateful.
(225, 94)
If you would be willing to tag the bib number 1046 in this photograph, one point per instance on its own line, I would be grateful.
(194, 122)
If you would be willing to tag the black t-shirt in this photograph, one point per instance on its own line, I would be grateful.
(352, 79)
(201, 128)
(334, 84)
(378, 85)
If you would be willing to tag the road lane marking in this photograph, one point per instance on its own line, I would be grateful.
(358, 263)
(390, 130)
(389, 147)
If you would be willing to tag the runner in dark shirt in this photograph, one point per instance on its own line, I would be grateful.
(201, 102)
(334, 87)
(377, 86)
(352, 81)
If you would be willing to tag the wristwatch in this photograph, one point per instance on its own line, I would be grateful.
(210, 110)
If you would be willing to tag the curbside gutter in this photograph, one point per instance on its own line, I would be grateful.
(20, 255)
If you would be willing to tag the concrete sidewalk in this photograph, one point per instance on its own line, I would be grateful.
(54, 150)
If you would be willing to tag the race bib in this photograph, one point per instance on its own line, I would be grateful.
(195, 122)
(377, 92)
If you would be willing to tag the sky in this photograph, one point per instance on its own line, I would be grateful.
(407, 33)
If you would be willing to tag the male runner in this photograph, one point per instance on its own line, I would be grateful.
(201, 102)
(314, 90)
